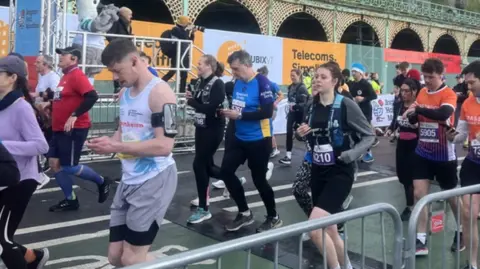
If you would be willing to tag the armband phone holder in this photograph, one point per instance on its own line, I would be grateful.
(167, 119)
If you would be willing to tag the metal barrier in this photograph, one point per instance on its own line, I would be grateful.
(274, 236)
(410, 250)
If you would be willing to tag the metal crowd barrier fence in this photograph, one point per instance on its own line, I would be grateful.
(410, 248)
(105, 119)
(184, 259)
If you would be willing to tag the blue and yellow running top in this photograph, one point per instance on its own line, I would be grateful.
(248, 97)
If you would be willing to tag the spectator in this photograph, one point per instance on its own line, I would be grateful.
(123, 26)
(47, 80)
(376, 84)
(402, 70)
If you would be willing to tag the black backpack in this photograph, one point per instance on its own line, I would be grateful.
(167, 47)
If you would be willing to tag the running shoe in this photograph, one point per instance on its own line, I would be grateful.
(368, 157)
(195, 202)
(65, 205)
(421, 248)
(285, 160)
(270, 223)
(44, 179)
(104, 190)
(306, 237)
(347, 202)
(405, 216)
(199, 216)
(219, 184)
(454, 248)
(42, 256)
(240, 221)
(376, 142)
(274, 153)
(270, 170)
(226, 193)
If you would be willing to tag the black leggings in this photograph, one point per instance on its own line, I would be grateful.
(404, 153)
(257, 153)
(207, 141)
(13, 202)
(294, 119)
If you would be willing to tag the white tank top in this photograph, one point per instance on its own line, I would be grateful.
(135, 123)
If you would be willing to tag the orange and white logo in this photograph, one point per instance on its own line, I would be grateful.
(226, 49)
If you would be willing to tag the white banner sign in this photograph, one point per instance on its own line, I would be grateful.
(265, 50)
(382, 110)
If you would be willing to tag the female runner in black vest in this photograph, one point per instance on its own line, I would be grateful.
(330, 124)
(407, 141)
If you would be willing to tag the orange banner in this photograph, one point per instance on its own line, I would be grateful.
(452, 62)
(151, 29)
(303, 54)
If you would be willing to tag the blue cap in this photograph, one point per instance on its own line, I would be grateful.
(358, 67)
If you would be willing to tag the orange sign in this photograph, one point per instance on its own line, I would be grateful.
(152, 49)
(452, 62)
(303, 54)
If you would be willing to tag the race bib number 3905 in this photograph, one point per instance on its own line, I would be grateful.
(429, 132)
(323, 155)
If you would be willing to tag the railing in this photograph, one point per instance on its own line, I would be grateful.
(184, 259)
(424, 10)
(140, 41)
(410, 250)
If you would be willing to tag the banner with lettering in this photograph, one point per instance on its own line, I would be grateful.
(382, 110)
(452, 62)
(303, 54)
(264, 50)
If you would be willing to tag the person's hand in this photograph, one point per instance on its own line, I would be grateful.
(230, 114)
(359, 99)
(388, 133)
(103, 145)
(303, 130)
(410, 110)
(188, 95)
(451, 133)
(70, 124)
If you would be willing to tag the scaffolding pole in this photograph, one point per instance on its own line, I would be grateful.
(12, 10)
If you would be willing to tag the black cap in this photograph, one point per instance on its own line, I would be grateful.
(13, 64)
(70, 50)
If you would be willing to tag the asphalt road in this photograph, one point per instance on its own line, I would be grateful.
(79, 239)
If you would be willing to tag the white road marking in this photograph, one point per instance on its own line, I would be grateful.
(291, 197)
(72, 239)
(277, 188)
(60, 225)
(48, 190)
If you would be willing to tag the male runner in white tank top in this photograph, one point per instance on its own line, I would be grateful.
(144, 143)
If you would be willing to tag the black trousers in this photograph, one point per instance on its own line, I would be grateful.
(294, 119)
(257, 153)
(207, 141)
(13, 203)
(404, 155)
(183, 74)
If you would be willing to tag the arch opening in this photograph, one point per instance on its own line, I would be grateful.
(446, 44)
(218, 15)
(152, 11)
(474, 50)
(407, 39)
(302, 26)
(360, 33)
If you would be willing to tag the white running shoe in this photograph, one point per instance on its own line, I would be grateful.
(219, 184)
(226, 193)
(44, 179)
(270, 170)
(347, 202)
(306, 237)
(195, 201)
(274, 153)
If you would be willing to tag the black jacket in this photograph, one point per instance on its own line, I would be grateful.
(364, 88)
(210, 102)
(120, 27)
(10, 175)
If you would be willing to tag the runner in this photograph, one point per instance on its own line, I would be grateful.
(72, 100)
(23, 139)
(144, 143)
(329, 133)
(252, 109)
(297, 99)
(207, 98)
(434, 156)
(407, 142)
(469, 126)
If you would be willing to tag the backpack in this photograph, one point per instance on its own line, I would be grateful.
(167, 47)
